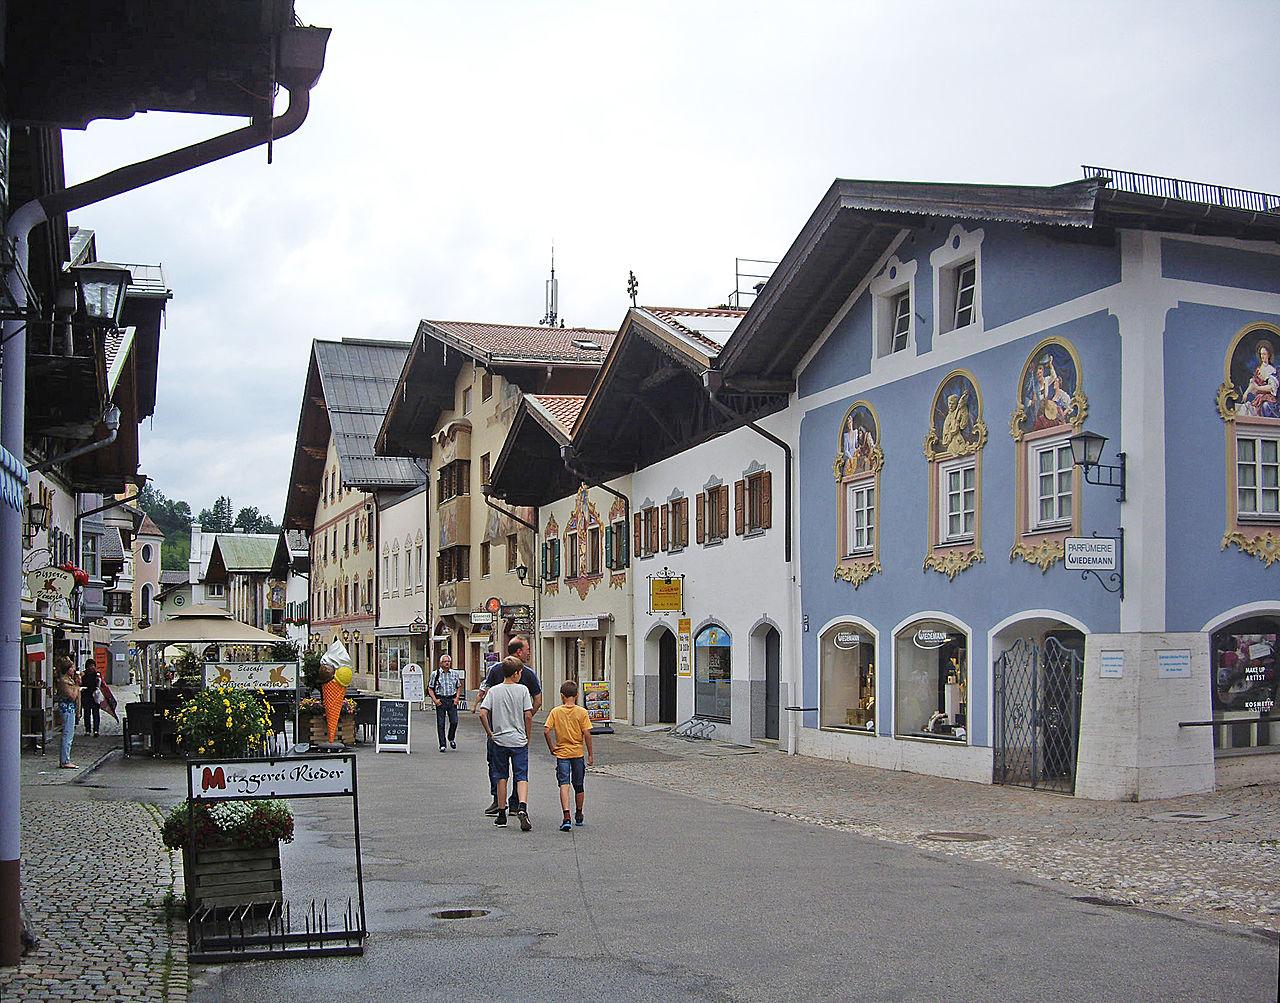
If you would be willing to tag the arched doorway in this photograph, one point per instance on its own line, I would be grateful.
(1038, 679)
(772, 683)
(1243, 673)
(667, 678)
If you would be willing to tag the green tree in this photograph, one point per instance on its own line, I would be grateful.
(253, 521)
(219, 519)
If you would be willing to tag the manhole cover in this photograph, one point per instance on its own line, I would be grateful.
(956, 837)
(1189, 816)
(460, 913)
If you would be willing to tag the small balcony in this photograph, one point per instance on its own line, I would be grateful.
(454, 597)
(455, 522)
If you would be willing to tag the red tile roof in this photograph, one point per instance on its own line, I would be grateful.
(536, 344)
(563, 408)
(149, 528)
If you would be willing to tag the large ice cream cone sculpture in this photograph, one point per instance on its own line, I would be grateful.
(333, 693)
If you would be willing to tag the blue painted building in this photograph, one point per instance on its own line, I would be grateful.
(943, 344)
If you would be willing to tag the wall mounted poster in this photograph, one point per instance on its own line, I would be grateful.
(684, 647)
(595, 698)
(391, 731)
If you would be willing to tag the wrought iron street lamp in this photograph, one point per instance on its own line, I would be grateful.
(522, 572)
(100, 291)
(1086, 452)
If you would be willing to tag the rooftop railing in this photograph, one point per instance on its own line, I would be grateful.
(1187, 191)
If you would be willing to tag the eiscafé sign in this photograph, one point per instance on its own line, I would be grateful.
(231, 780)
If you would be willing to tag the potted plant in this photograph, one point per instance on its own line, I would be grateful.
(231, 850)
(312, 711)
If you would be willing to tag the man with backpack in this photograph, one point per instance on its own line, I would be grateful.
(443, 689)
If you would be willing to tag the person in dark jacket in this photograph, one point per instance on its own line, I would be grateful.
(89, 683)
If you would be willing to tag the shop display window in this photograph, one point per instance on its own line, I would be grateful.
(712, 674)
(931, 672)
(848, 654)
(1244, 684)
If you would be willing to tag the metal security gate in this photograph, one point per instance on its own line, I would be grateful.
(1037, 715)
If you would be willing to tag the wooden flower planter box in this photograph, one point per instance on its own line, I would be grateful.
(223, 875)
(318, 729)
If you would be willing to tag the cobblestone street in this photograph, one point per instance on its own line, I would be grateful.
(95, 880)
(1227, 869)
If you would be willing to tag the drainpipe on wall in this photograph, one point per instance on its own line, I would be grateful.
(712, 381)
(301, 58)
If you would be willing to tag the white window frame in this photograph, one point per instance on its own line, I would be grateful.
(865, 487)
(895, 280)
(946, 496)
(961, 249)
(1058, 446)
(214, 590)
(1258, 467)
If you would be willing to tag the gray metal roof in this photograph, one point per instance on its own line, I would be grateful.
(357, 378)
(174, 577)
(112, 546)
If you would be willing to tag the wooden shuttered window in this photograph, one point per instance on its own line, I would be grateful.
(624, 553)
(637, 542)
(766, 500)
(555, 558)
(701, 517)
(739, 507)
(722, 511)
(608, 547)
(666, 527)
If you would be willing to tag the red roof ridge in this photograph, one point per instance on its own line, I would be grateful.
(522, 327)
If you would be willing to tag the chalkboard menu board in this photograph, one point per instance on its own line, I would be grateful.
(392, 731)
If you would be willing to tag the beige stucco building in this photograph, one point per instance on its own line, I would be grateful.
(458, 393)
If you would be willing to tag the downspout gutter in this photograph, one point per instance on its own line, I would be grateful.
(302, 59)
(712, 382)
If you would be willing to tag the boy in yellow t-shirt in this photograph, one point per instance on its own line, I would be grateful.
(571, 726)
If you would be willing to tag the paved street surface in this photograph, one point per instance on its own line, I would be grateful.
(665, 895)
(1226, 868)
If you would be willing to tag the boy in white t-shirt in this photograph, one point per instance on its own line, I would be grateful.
(507, 715)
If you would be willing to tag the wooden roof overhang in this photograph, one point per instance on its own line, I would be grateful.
(426, 388)
(530, 469)
(68, 64)
(311, 448)
(650, 402)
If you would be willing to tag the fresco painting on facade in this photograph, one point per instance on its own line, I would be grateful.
(858, 463)
(618, 514)
(1051, 406)
(953, 448)
(582, 571)
(1248, 403)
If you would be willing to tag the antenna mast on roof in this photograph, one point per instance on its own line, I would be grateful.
(552, 316)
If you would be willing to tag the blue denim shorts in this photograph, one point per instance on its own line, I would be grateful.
(571, 771)
(506, 761)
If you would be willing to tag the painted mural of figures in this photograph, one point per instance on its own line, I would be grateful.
(1049, 385)
(1260, 396)
(857, 441)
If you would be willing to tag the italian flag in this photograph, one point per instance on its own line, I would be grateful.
(34, 644)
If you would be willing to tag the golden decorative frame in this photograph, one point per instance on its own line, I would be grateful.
(584, 516)
(951, 559)
(1043, 549)
(1260, 541)
(858, 568)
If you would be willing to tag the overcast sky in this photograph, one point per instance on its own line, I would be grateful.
(450, 143)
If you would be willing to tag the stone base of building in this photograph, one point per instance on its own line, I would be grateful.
(1138, 690)
(936, 759)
